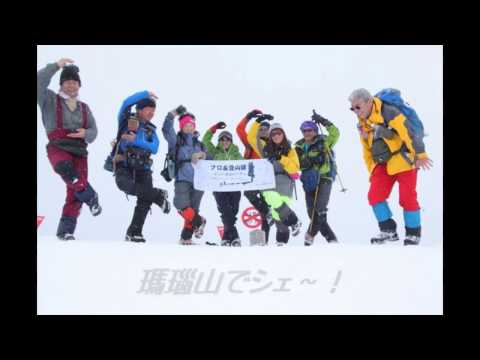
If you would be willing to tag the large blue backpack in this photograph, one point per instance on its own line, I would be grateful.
(413, 123)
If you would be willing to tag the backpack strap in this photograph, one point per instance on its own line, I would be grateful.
(59, 132)
(84, 108)
(59, 112)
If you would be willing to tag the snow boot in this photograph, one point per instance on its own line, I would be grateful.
(134, 232)
(411, 240)
(199, 227)
(384, 236)
(89, 197)
(308, 239)
(412, 236)
(66, 228)
(134, 238)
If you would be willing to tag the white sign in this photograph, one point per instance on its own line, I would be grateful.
(233, 175)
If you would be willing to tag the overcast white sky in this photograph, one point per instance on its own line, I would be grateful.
(223, 83)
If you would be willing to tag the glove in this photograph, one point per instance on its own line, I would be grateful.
(219, 125)
(294, 176)
(198, 156)
(180, 110)
(253, 113)
(319, 119)
(264, 117)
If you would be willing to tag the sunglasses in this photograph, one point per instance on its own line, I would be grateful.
(276, 133)
(355, 108)
(225, 139)
(308, 130)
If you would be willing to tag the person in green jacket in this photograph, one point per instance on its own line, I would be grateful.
(227, 202)
(318, 173)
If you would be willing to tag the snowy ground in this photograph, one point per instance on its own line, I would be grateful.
(107, 277)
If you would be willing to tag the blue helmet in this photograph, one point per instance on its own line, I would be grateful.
(306, 125)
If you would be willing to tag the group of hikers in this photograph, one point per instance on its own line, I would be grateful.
(392, 150)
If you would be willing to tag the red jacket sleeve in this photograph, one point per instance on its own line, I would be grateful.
(242, 134)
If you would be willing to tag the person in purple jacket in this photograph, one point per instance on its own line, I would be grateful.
(137, 141)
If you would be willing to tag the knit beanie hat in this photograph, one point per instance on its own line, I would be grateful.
(70, 72)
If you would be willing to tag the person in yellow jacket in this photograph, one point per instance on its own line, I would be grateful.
(278, 150)
(391, 155)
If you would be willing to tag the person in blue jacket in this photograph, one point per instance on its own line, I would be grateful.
(186, 149)
(137, 141)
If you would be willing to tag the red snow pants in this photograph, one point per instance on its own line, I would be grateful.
(55, 155)
(381, 185)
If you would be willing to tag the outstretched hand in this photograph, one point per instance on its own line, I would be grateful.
(253, 113)
(64, 61)
(179, 110)
(424, 164)
(219, 125)
(319, 119)
(264, 117)
(130, 137)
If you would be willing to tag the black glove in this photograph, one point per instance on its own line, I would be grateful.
(180, 110)
(264, 117)
(219, 125)
(319, 119)
(253, 113)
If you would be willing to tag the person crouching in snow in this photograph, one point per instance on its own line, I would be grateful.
(227, 202)
(70, 126)
(286, 167)
(133, 174)
(316, 164)
(187, 149)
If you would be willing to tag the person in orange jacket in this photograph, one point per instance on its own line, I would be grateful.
(254, 196)
(398, 160)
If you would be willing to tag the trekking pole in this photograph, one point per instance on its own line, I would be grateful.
(343, 189)
(314, 206)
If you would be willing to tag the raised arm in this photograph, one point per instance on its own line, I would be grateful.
(168, 131)
(132, 100)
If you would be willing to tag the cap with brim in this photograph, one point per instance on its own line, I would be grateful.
(226, 134)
